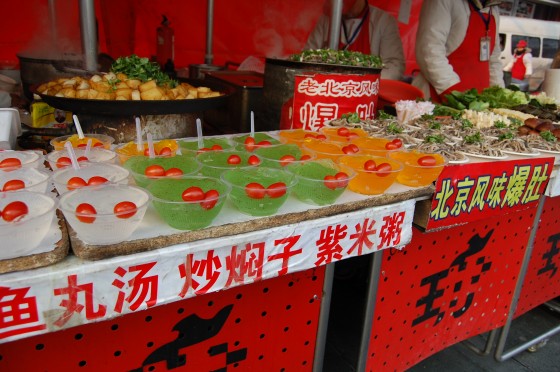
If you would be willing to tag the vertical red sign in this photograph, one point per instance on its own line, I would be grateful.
(319, 98)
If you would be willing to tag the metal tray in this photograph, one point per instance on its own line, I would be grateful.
(106, 107)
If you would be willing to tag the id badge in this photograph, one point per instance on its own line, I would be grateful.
(484, 48)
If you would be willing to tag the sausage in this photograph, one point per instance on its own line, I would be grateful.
(532, 122)
(545, 125)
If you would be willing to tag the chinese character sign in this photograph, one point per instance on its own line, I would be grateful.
(320, 98)
(469, 192)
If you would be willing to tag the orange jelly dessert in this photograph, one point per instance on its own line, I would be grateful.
(343, 134)
(97, 140)
(166, 147)
(377, 146)
(420, 169)
(374, 174)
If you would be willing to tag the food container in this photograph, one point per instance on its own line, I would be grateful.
(66, 179)
(98, 140)
(343, 134)
(377, 146)
(374, 174)
(145, 169)
(259, 191)
(420, 169)
(259, 139)
(112, 220)
(325, 149)
(20, 159)
(299, 136)
(190, 203)
(29, 179)
(23, 235)
(278, 156)
(208, 144)
(320, 182)
(163, 148)
(61, 158)
(214, 163)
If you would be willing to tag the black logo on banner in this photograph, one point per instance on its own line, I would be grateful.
(549, 256)
(476, 245)
(191, 331)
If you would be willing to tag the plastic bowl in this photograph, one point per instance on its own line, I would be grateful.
(95, 155)
(138, 165)
(420, 169)
(374, 174)
(208, 144)
(278, 156)
(98, 140)
(377, 146)
(104, 227)
(10, 160)
(30, 178)
(267, 191)
(343, 134)
(299, 136)
(320, 182)
(112, 172)
(214, 163)
(190, 214)
(324, 149)
(21, 237)
(248, 143)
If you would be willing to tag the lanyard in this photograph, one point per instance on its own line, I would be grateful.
(487, 19)
(350, 40)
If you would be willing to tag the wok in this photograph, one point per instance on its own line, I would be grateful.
(159, 107)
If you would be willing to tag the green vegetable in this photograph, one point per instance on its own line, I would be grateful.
(383, 115)
(466, 123)
(434, 139)
(393, 129)
(351, 117)
(506, 135)
(474, 138)
(338, 57)
(500, 124)
(142, 69)
(548, 136)
(479, 105)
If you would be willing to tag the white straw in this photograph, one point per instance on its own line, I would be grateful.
(72, 155)
(199, 133)
(139, 142)
(151, 151)
(88, 147)
(78, 127)
(252, 124)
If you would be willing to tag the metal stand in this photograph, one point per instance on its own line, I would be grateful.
(501, 355)
(324, 319)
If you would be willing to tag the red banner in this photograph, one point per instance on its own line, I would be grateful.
(469, 192)
(320, 98)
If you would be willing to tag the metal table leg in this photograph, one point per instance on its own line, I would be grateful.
(323, 319)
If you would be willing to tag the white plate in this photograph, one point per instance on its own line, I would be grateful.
(556, 155)
(486, 157)
(524, 154)
(461, 161)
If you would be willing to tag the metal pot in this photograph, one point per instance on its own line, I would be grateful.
(36, 70)
(279, 78)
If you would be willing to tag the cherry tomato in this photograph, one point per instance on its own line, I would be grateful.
(217, 147)
(63, 162)
(305, 157)
(287, 159)
(98, 144)
(75, 183)
(330, 182)
(398, 142)
(276, 190)
(321, 137)
(97, 180)
(384, 169)
(253, 160)
(85, 213)
(125, 209)
(166, 151)
(234, 159)
(350, 149)
(249, 144)
(154, 170)
(173, 172)
(82, 158)
(343, 132)
(352, 135)
(192, 194)
(391, 146)
(14, 211)
(427, 161)
(147, 152)
(210, 199)
(264, 143)
(10, 163)
(204, 149)
(81, 145)
(370, 165)
(12, 185)
(255, 190)
(342, 179)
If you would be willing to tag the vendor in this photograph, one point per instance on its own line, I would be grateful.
(365, 29)
(457, 47)
(521, 65)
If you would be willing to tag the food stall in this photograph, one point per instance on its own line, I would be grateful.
(245, 280)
